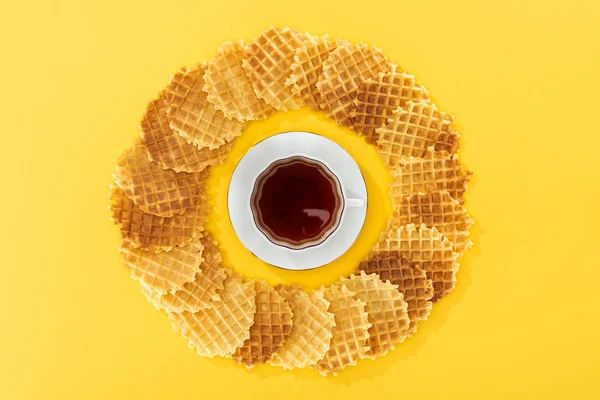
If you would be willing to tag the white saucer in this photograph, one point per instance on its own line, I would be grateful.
(281, 146)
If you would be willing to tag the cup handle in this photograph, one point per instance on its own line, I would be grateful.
(355, 202)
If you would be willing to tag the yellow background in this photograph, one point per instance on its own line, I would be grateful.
(521, 78)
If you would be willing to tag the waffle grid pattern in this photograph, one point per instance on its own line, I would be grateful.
(412, 281)
(377, 98)
(346, 68)
(193, 116)
(227, 85)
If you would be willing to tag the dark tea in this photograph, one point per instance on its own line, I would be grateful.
(297, 201)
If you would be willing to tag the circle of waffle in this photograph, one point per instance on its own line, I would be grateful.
(159, 202)
(411, 129)
(267, 64)
(345, 69)
(271, 328)
(170, 150)
(157, 191)
(386, 309)
(308, 66)
(350, 333)
(311, 333)
(378, 97)
(198, 293)
(427, 248)
(228, 87)
(437, 209)
(412, 282)
(437, 170)
(150, 232)
(164, 271)
(222, 328)
(193, 116)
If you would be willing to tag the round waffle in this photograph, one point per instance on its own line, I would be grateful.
(436, 209)
(228, 87)
(346, 68)
(411, 129)
(222, 328)
(411, 280)
(198, 293)
(427, 248)
(170, 150)
(378, 97)
(193, 116)
(271, 328)
(436, 170)
(268, 60)
(308, 66)
(157, 191)
(150, 232)
(167, 270)
(350, 333)
(310, 336)
(386, 308)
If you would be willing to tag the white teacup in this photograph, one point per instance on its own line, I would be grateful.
(345, 225)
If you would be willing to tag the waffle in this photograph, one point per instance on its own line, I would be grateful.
(163, 271)
(149, 232)
(350, 333)
(412, 282)
(228, 87)
(410, 130)
(272, 327)
(386, 308)
(169, 149)
(157, 191)
(307, 67)
(378, 97)
(193, 116)
(201, 291)
(437, 209)
(435, 171)
(310, 336)
(267, 64)
(347, 67)
(427, 248)
(221, 329)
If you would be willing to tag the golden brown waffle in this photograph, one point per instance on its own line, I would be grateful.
(307, 67)
(157, 191)
(164, 271)
(427, 248)
(437, 170)
(272, 327)
(193, 116)
(221, 329)
(170, 150)
(410, 130)
(350, 333)
(437, 209)
(228, 87)
(267, 64)
(386, 308)
(412, 282)
(150, 232)
(378, 97)
(347, 67)
(309, 340)
(201, 291)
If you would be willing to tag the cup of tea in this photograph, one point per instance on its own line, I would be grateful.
(297, 200)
